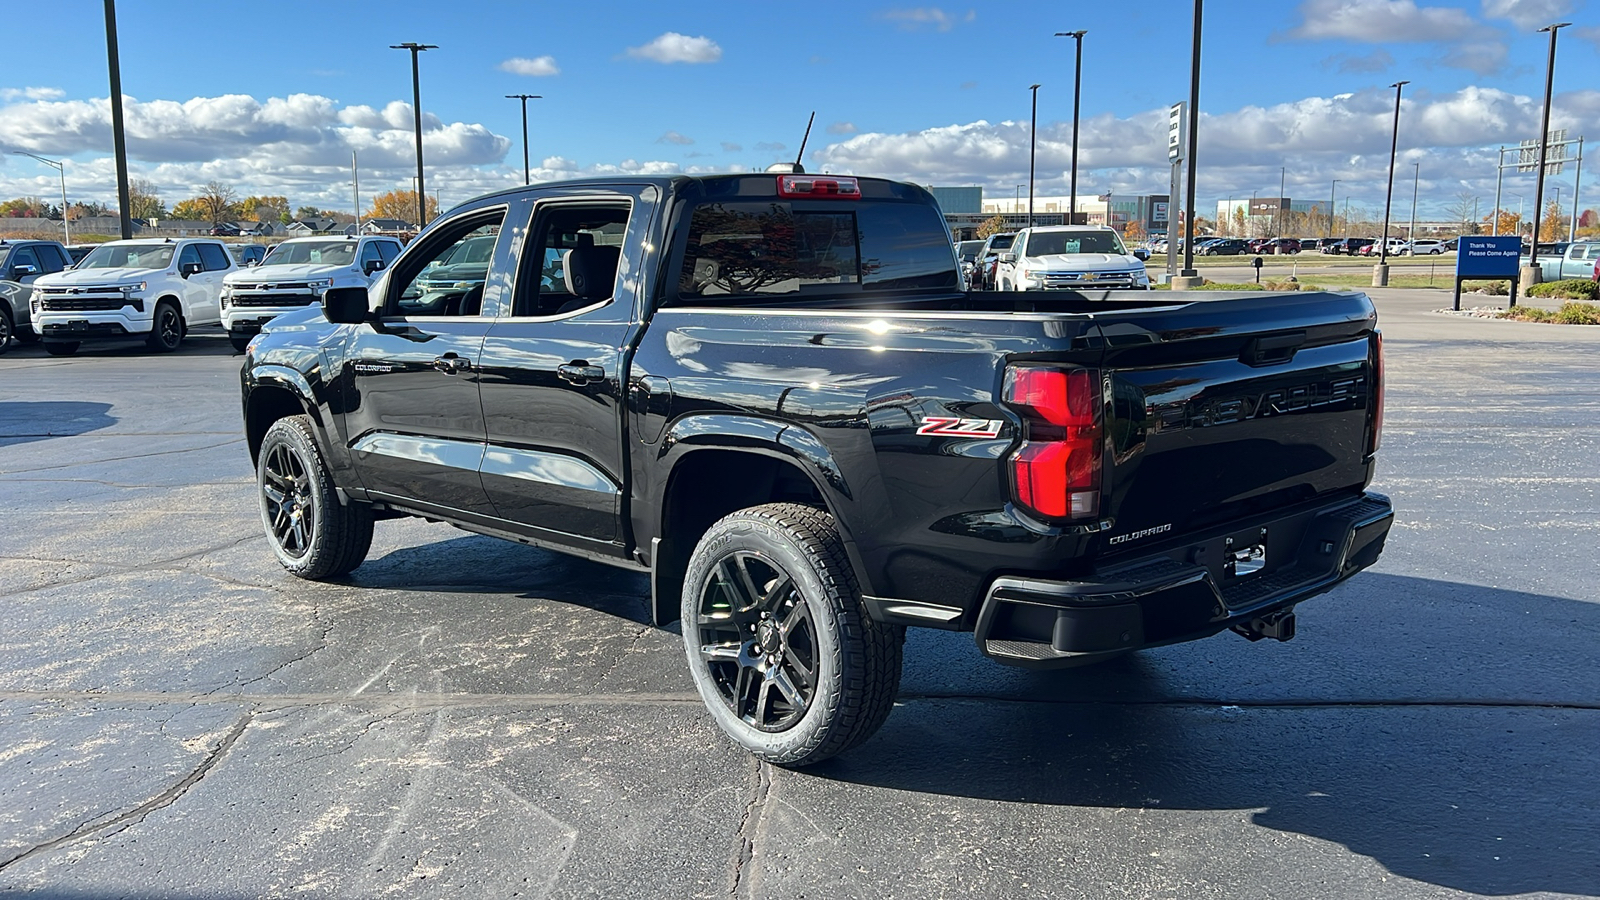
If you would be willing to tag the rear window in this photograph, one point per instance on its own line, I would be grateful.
(771, 248)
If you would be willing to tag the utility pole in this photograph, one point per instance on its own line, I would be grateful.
(118, 138)
(524, 98)
(1077, 80)
(1530, 274)
(1416, 176)
(355, 187)
(1380, 272)
(1283, 177)
(61, 167)
(1333, 194)
(416, 111)
(1194, 136)
(1033, 146)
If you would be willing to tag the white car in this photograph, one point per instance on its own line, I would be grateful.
(1422, 246)
(151, 289)
(296, 274)
(1071, 257)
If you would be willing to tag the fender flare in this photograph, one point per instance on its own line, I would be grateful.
(291, 380)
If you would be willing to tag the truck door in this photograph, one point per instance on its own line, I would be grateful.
(205, 305)
(552, 371)
(413, 416)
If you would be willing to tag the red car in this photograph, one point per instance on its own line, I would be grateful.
(1280, 246)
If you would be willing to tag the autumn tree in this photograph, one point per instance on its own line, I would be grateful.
(401, 205)
(264, 209)
(1510, 222)
(1134, 231)
(144, 202)
(1553, 227)
(191, 209)
(25, 208)
(219, 201)
(995, 224)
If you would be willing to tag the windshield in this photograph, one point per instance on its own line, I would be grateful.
(129, 256)
(472, 250)
(319, 253)
(1050, 243)
(1001, 241)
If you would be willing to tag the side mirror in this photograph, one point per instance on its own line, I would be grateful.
(190, 268)
(1008, 257)
(1141, 254)
(346, 305)
(252, 262)
(23, 271)
(372, 265)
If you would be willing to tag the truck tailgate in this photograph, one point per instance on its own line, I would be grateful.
(1211, 419)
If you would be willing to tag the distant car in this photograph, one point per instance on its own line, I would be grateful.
(223, 229)
(1223, 247)
(77, 252)
(1279, 246)
(967, 252)
(1449, 246)
(1347, 246)
(1422, 247)
(989, 259)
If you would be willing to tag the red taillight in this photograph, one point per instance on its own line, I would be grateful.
(829, 187)
(1056, 470)
(1377, 390)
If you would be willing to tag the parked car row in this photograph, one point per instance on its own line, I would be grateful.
(1057, 257)
(156, 290)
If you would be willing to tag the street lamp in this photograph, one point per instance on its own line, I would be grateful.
(61, 166)
(1416, 177)
(416, 111)
(1194, 142)
(1333, 193)
(119, 141)
(1016, 204)
(1033, 146)
(524, 98)
(1532, 271)
(1380, 275)
(1077, 78)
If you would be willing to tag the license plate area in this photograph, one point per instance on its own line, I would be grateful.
(1244, 555)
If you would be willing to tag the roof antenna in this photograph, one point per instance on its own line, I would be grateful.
(799, 169)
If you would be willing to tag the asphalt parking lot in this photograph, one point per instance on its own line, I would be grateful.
(470, 718)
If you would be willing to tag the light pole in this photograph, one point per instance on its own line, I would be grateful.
(1380, 272)
(1077, 79)
(1189, 272)
(1033, 146)
(119, 143)
(1016, 204)
(1416, 176)
(1283, 212)
(524, 98)
(1347, 216)
(416, 111)
(1530, 275)
(1333, 193)
(61, 166)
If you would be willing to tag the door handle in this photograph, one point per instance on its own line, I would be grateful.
(450, 364)
(579, 372)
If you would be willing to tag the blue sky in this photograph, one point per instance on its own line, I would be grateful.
(272, 99)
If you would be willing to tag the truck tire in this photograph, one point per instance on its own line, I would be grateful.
(780, 645)
(166, 328)
(61, 348)
(313, 535)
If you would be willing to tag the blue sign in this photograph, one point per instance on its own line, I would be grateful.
(1488, 257)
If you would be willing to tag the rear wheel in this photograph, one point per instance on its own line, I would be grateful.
(780, 645)
(313, 535)
(166, 330)
(61, 348)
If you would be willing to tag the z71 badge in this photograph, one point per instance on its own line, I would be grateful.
(949, 426)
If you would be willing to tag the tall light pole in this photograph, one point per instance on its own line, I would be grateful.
(118, 138)
(1333, 193)
(1033, 146)
(1416, 176)
(61, 166)
(1016, 205)
(1531, 273)
(524, 98)
(1077, 79)
(1283, 178)
(1380, 273)
(1194, 142)
(416, 111)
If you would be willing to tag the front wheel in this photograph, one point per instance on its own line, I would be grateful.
(166, 331)
(7, 329)
(313, 535)
(780, 645)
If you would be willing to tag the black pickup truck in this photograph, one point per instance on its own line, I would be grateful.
(773, 393)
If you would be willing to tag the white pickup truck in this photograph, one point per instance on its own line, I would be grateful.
(296, 274)
(1071, 257)
(151, 289)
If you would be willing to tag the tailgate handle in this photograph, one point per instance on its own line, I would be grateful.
(1272, 349)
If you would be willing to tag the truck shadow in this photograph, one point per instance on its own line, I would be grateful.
(1482, 784)
(24, 421)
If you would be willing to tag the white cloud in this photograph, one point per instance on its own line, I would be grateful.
(729, 147)
(920, 17)
(1527, 15)
(1480, 57)
(31, 93)
(843, 128)
(538, 67)
(1383, 21)
(673, 47)
(673, 137)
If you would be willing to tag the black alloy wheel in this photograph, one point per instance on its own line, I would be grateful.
(313, 534)
(759, 641)
(166, 332)
(779, 642)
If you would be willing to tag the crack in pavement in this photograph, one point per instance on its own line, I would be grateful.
(113, 459)
(151, 566)
(750, 821)
(136, 815)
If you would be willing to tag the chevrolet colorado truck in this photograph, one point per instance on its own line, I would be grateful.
(771, 393)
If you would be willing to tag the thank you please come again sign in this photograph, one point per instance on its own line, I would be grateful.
(1488, 257)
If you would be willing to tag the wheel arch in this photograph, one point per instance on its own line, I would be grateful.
(276, 393)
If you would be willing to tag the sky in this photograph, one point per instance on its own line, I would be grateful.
(272, 99)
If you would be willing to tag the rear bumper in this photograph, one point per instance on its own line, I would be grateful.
(1182, 595)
